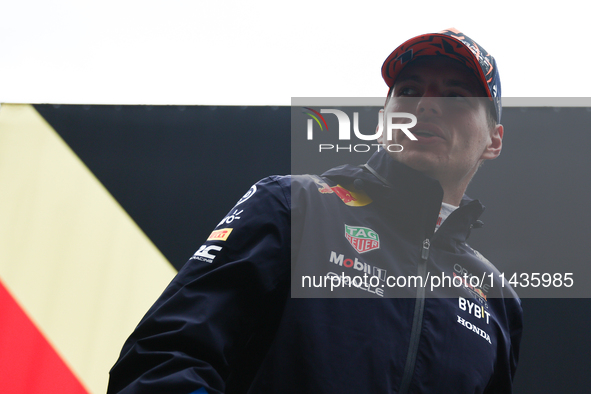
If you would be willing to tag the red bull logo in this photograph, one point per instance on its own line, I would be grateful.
(343, 194)
(351, 198)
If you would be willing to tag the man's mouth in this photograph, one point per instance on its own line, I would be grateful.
(427, 130)
(423, 134)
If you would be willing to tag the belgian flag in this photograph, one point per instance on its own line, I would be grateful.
(99, 207)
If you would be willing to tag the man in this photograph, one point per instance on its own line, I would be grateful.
(232, 322)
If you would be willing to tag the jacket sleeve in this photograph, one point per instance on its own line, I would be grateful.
(508, 356)
(195, 334)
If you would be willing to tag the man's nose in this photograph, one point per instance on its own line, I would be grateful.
(429, 104)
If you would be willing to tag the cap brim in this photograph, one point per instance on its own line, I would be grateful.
(433, 44)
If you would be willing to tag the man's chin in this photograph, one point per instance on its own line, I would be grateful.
(416, 160)
(419, 162)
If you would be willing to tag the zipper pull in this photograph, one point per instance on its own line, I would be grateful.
(425, 249)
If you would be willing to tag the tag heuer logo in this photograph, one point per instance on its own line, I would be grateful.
(363, 239)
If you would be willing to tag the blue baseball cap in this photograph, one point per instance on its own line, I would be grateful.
(456, 45)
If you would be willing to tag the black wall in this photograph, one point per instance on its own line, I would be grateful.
(178, 170)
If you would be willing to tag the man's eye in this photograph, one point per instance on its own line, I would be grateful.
(457, 96)
(408, 91)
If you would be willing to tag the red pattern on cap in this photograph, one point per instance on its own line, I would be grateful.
(451, 43)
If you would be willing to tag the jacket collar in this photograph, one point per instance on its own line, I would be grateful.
(408, 195)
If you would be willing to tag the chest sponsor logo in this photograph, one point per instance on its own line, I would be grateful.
(363, 239)
(205, 253)
(220, 235)
(374, 277)
(351, 198)
(474, 328)
(474, 309)
(478, 292)
(339, 259)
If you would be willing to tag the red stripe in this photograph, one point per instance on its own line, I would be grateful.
(28, 363)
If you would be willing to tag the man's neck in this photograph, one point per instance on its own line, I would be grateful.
(454, 189)
(453, 198)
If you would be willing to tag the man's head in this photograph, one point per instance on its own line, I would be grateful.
(451, 85)
(455, 45)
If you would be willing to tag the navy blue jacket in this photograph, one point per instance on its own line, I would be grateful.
(242, 316)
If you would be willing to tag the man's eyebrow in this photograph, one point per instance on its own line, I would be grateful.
(405, 78)
(459, 83)
(450, 82)
(467, 85)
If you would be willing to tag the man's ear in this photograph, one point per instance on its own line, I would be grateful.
(495, 144)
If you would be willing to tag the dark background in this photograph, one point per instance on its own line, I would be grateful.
(178, 170)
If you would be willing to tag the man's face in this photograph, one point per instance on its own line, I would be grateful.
(453, 131)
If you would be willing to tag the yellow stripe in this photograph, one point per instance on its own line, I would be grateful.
(69, 253)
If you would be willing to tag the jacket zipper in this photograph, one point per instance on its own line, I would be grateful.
(417, 321)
